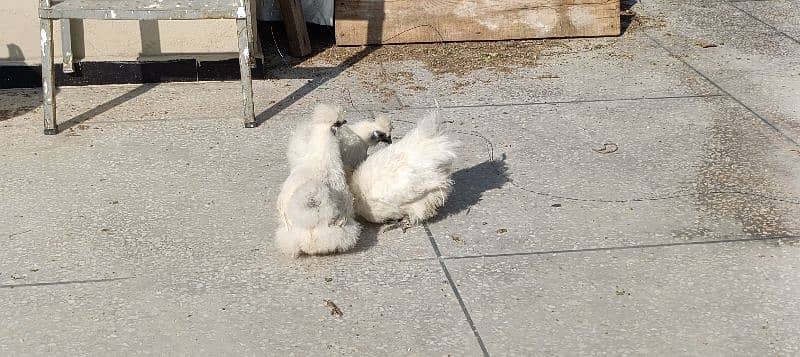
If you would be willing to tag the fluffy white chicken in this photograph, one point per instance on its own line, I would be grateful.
(356, 138)
(409, 180)
(299, 144)
(315, 205)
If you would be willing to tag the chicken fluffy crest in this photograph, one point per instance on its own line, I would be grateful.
(299, 145)
(408, 180)
(355, 139)
(315, 206)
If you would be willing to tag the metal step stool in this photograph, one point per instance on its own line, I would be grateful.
(49, 10)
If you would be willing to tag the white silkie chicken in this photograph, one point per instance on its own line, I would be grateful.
(315, 206)
(356, 138)
(409, 180)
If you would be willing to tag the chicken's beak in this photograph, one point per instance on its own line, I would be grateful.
(337, 125)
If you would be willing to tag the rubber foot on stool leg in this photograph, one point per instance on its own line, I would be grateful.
(251, 124)
(52, 131)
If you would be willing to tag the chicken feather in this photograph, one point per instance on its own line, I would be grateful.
(408, 180)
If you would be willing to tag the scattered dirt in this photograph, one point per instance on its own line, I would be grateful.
(647, 22)
(502, 230)
(555, 205)
(458, 58)
(459, 85)
(328, 280)
(387, 75)
(694, 232)
(456, 238)
(403, 77)
(335, 310)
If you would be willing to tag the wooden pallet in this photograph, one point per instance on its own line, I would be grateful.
(360, 22)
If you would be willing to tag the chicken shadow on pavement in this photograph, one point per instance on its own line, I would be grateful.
(469, 185)
(368, 238)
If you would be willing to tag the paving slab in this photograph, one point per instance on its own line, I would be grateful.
(730, 299)
(783, 15)
(399, 308)
(150, 190)
(683, 170)
(157, 236)
(747, 58)
(630, 66)
(614, 185)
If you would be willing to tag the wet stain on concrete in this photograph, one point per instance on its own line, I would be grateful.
(737, 160)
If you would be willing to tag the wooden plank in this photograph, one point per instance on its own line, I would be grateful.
(360, 22)
(251, 8)
(296, 30)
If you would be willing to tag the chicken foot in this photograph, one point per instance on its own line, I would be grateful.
(403, 223)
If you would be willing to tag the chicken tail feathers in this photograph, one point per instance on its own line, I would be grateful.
(430, 125)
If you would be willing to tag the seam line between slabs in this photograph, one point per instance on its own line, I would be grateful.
(640, 246)
(786, 137)
(455, 290)
(773, 28)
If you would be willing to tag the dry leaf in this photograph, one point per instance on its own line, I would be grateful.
(607, 148)
(335, 310)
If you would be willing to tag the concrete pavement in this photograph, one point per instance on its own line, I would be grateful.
(637, 195)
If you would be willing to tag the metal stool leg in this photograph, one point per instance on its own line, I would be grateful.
(66, 46)
(48, 77)
(244, 67)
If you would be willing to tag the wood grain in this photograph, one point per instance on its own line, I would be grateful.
(296, 30)
(360, 22)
